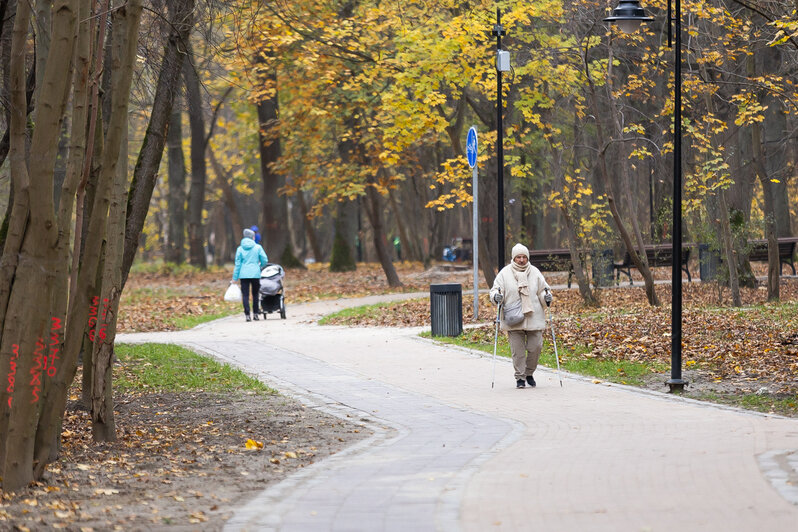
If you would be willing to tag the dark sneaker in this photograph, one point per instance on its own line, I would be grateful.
(530, 380)
(248, 318)
(520, 383)
(255, 317)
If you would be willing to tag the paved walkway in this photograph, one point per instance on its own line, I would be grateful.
(450, 453)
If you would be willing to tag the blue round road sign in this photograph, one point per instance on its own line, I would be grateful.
(471, 147)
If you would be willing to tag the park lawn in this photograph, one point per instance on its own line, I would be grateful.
(166, 297)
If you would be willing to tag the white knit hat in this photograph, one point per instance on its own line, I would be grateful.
(520, 249)
(249, 233)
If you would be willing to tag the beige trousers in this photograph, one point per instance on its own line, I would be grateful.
(525, 347)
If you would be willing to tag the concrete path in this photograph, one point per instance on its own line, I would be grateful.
(450, 453)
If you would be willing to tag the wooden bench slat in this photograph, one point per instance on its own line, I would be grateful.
(759, 251)
(657, 255)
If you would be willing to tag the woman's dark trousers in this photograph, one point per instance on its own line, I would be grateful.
(254, 285)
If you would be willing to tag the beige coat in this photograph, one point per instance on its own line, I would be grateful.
(506, 283)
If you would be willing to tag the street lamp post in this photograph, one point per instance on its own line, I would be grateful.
(628, 15)
(502, 60)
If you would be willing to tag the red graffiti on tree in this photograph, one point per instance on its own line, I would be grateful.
(55, 344)
(93, 317)
(36, 370)
(101, 333)
(12, 372)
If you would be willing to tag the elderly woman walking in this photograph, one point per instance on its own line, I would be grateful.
(524, 294)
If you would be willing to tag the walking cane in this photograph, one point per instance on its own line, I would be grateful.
(495, 343)
(554, 341)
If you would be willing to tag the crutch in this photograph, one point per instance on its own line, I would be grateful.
(554, 341)
(495, 343)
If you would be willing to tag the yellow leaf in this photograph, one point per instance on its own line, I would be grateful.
(290, 454)
(252, 444)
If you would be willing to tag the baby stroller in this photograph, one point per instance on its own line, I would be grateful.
(271, 290)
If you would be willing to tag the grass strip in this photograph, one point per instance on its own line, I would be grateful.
(352, 313)
(171, 368)
(572, 360)
(183, 323)
(768, 403)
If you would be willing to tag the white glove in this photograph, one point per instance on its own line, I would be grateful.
(547, 298)
(498, 298)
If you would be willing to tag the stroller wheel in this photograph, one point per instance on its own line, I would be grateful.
(282, 308)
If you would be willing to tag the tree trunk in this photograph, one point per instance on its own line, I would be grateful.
(42, 22)
(728, 246)
(308, 226)
(93, 140)
(273, 205)
(102, 402)
(775, 134)
(225, 183)
(342, 258)
(374, 213)
(759, 164)
(774, 265)
(146, 171)
(196, 196)
(407, 246)
(108, 211)
(640, 264)
(573, 241)
(26, 332)
(177, 188)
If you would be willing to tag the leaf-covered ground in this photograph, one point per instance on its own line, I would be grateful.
(166, 302)
(182, 461)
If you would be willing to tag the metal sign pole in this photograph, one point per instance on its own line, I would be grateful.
(471, 155)
(475, 242)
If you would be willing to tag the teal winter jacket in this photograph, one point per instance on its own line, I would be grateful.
(250, 259)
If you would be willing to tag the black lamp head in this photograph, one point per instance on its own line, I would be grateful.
(628, 15)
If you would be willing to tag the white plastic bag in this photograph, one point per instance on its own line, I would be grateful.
(233, 293)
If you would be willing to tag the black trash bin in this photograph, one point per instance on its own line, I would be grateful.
(708, 262)
(446, 309)
(603, 271)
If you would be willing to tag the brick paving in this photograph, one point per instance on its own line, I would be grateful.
(450, 453)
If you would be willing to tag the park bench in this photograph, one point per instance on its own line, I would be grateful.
(657, 255)
(552, 260)
(759, 251)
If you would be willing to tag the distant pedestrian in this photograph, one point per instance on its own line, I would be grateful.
(524, 294)
(250, 260)
(257, 233)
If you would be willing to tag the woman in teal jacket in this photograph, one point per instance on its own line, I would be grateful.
(250, 260)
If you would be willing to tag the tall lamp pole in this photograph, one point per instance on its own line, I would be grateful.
(629, 15)
(502, 65)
